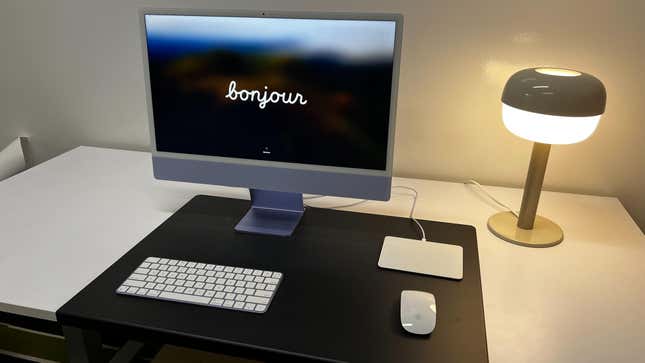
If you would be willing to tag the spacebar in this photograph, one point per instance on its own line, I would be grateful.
(185, 298)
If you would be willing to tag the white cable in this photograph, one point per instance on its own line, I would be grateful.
(490, 196)
(414, 204)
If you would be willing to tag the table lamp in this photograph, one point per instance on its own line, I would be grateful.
(546, 106)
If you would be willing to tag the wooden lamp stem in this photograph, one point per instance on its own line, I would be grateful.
(533, 185)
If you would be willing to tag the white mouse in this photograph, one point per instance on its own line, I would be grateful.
(418, 311)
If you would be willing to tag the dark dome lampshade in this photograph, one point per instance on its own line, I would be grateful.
(553, 105)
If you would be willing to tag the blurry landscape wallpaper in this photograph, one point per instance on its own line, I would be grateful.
(331, 78)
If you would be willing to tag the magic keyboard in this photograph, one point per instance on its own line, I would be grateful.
(218, 286)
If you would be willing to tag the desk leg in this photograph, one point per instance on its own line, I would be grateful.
(83, 346)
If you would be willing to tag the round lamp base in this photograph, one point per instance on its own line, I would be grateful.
(545, 233)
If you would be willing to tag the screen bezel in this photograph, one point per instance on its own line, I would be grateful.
(397, 18)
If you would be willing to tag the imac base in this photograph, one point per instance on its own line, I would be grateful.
(272, 213)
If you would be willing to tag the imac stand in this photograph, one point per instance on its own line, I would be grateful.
(272, 213)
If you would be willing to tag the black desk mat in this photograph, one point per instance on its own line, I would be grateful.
(333, 304)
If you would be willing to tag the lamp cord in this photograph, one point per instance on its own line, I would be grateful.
(490, 196)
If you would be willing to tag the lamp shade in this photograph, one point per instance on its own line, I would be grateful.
(553, 105)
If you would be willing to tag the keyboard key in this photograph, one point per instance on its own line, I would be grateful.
(173, 268)
(240, 283)
(248, 278)
(152, 259)
(170, 281)
(257, 272)
(180, 282)
(228, 303)
(200, 265)
(189, 284)
(180, 289)
(276, 275)
(199, 292)
(182, 276)
(150, 278)
(271, 281)
(209, 286)
(251, 285)
(270, 287)
(201, 279)
(249, 306)
(249, 292)
(257, 300)
(239, 305)
(261, 286)
(209, 293)
(239, 297)
(189, 291)
(239, 290)
(192, 271)
(172, 262)
(191, 277)
(229, 289)
(247, 271)
(163, 273)
(239, 277)
(262, 293)
(228, 269)
(210, 280)
(258, 279)
(217, 302)
(153, 293)
(169, 288)
(184, 297)
(219, 268)
(230, 296)
(209, 267)
(163, 260)
(238, 270)
(220, 274)
(191, 264)
(230, 282)
(160, 286)
(218, 287)
(145, 265)
(220, 295)
(142, 291)
(210, 273)
(135, 283)
(138, 277)
(143, 271)
(160, 280)
(163, 267)
(267, 274)
(122, 288)
(182, 270)
(260, 307)
(199, 285)
(150, 285)
(172, 275)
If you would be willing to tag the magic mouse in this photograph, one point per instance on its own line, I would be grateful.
(418, 311)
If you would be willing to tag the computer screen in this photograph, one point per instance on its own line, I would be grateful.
(306, 91)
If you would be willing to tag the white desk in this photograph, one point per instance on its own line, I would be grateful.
(65, 221)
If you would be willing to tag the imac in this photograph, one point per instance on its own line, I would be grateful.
(280, 103)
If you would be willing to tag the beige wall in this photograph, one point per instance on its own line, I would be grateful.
(71, 73)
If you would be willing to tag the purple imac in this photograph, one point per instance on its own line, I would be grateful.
(280, 103)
